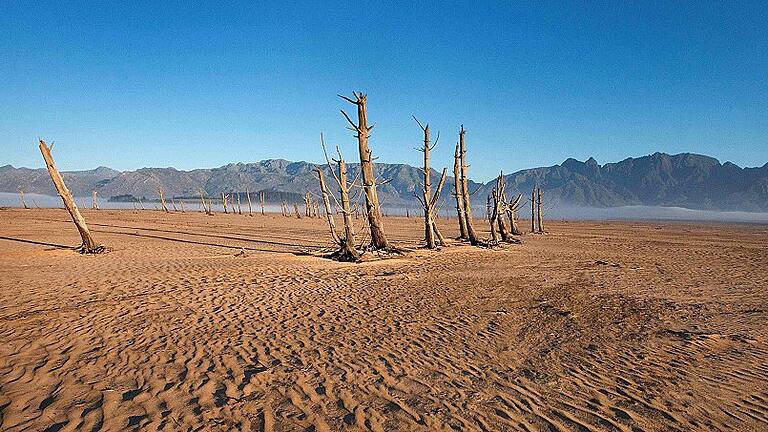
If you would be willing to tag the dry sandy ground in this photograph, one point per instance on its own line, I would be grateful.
(595, 326)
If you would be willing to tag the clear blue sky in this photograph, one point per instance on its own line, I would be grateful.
(133, 84)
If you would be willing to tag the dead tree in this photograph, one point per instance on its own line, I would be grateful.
(347, 250)
(539, 216)
(207, 207)
(296, 210)
(162, 199)
(181, 204)
(250, 208)
(379, 239)
(224, 202)
(173, 203)
(492, 215)
(95, 201)
(239, 209)
(327, 204)
(23, 201)
(471, 235)
(261, 200)
(533, 210)
(458, 194)
(89, 246)
(511, 211)
(307, 205)
(432, 235)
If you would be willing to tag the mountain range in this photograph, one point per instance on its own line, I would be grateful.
(682, 180)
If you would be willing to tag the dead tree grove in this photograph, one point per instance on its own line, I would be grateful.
(89, 246)
(432, 235)
(362, 131)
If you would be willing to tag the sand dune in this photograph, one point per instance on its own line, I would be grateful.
(595, 326)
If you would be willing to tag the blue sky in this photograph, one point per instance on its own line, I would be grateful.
(135, 84)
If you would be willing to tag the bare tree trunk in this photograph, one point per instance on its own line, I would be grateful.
(499, 205)
(457, 193)
(23, 201)
(296, 210)
(378, 237)
(533, 210)
(471, 235)
(327, 204)
(307, 205)
(432, 235)
(224, 202)
(173, 203)
(239, 209)
(539, 216)
(88, 245)
(95, 201)
(250, 207)
(181, 204)
(162, 199)
(512, 215)
(261, 200)
(490, 210)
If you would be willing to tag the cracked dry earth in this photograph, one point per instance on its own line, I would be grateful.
(595, 326)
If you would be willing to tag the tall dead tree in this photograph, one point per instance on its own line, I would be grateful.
(539, 216)
(347, 250)
(379, 239)
(162, 199)
(239, 209)
(502, 208)
(250, 208)
(432, 235)
(89, 246)
(173, 203)
(224, 202)
(458, 194)
(261, 200)
(207, 207)
(471, 235)
(95, 201)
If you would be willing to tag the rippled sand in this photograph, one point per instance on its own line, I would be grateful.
(595, 326)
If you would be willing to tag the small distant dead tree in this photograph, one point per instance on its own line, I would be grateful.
(471, 235)
(362, 131)
(162, 199)
(207, 207)
(224, 202)
(95, 201)
(89, 246)
(261, 200)
(173, 203)
(432, 235)
(250, 207)
(296, 211)
(23, 201)
(239, 209)
(346, 243)
(181, 204)
(307, 204)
